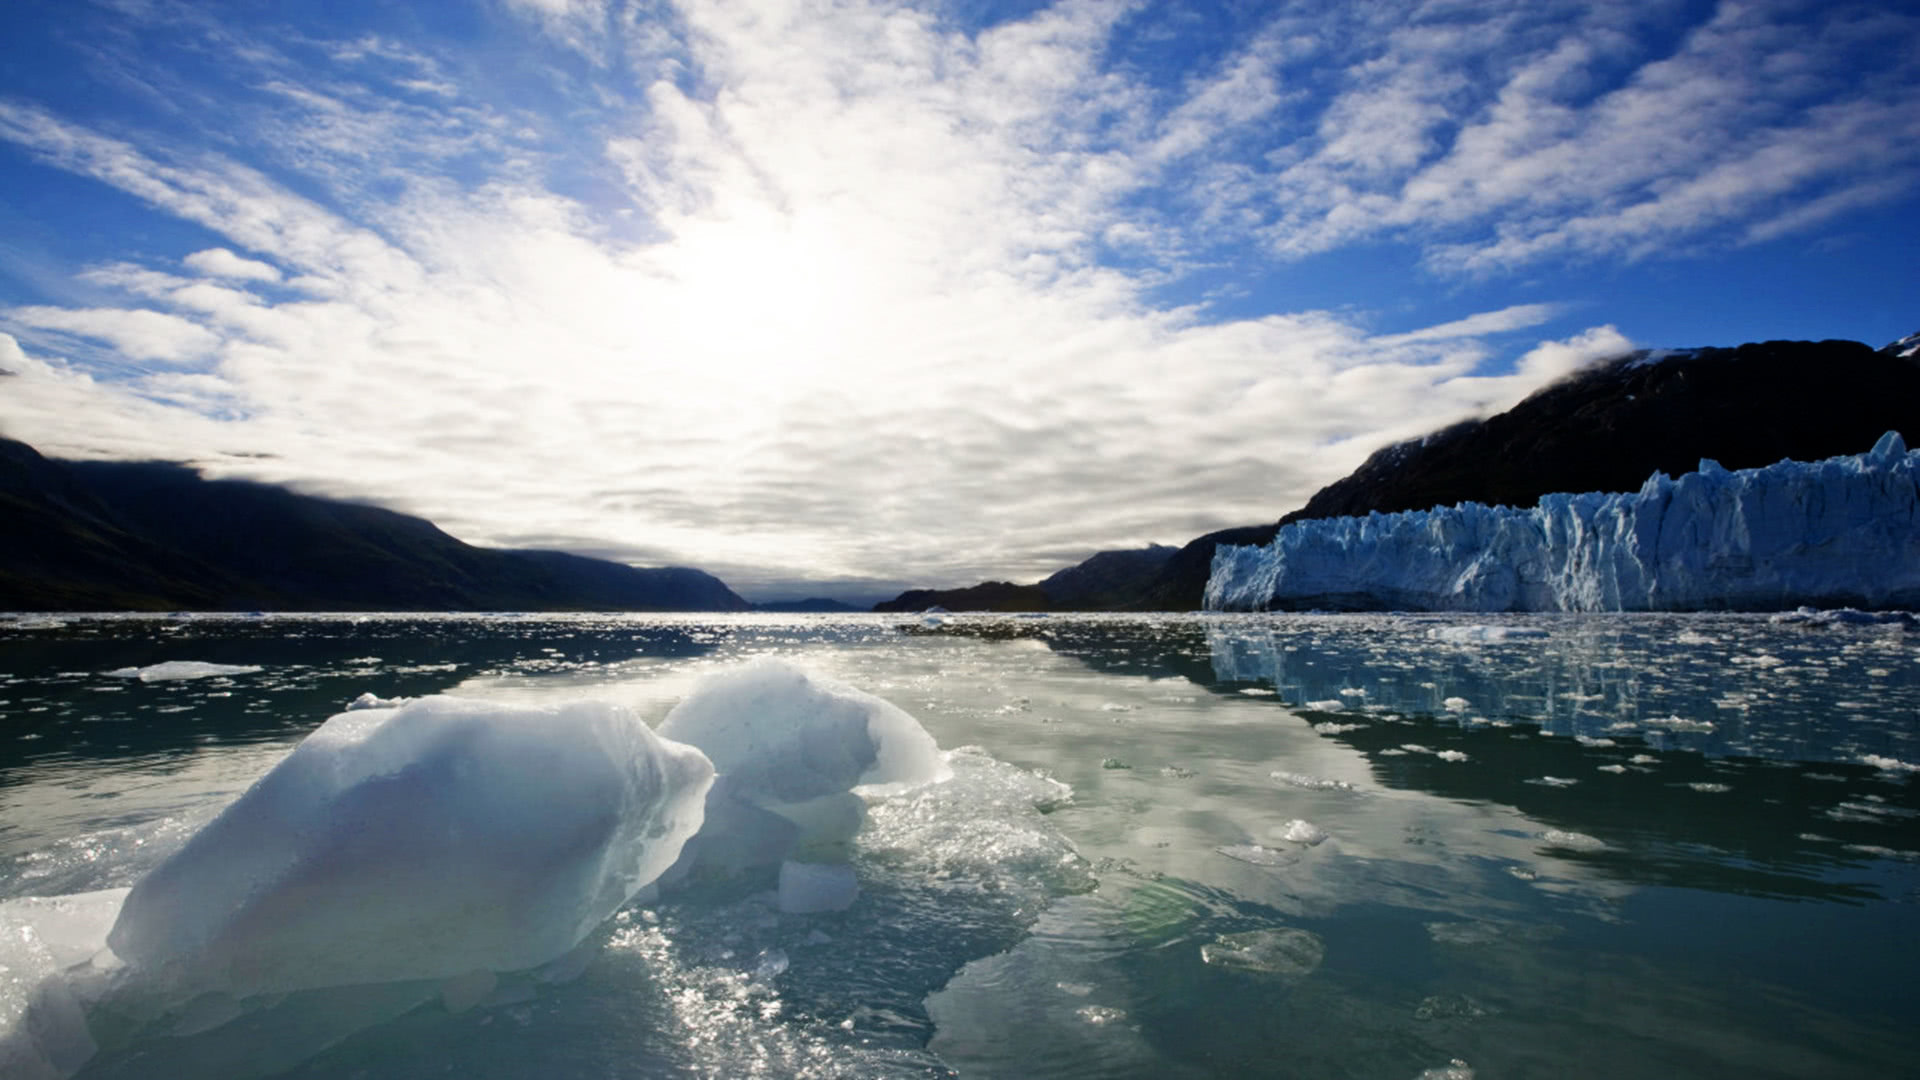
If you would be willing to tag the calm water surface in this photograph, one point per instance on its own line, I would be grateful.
(1339, 846)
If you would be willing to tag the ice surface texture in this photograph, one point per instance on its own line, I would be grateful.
(795, 752)
(1838, 531)
(426, 841)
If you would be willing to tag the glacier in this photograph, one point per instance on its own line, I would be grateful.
(1844, 531)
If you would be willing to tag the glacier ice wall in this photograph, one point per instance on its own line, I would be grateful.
(1841, 531)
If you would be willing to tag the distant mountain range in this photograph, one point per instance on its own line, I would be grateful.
(1603, 429)
(92, 536)
(1105, 582)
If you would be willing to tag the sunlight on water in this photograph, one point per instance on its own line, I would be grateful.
(1391, 846)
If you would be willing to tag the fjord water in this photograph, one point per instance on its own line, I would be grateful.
(1317, 846)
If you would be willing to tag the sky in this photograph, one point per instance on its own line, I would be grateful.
(833, 297)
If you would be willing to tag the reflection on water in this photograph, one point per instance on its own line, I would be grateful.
(1294, 846)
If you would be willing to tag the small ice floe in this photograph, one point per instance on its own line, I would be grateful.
(1484, 635)
(1100, 1015)
(1642, 759)
(1552, 781)
(1709, 787)
(1452, 1070)
(1572, 841)
(1327, 727)
(1814, 618)
(1353, 691)
(1455, 704)
(1612, 768)
(374, 701)
(1887, 764)
(1677, 722)
(1256, 691)
(1451, 755)
(1879, 852)
(1326, 705)
(182, 669)
(1393, 751)
(1176, 772)
(1257, 855)
(1589, 740)
(1311, 783)
(1416, 748)
(1299, 831)
(1285, 952)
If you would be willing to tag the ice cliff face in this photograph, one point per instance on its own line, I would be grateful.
(1841, 531)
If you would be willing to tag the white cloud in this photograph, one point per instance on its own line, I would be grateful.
(221, 263)
(823, 300)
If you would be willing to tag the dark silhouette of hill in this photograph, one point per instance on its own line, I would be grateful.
(1103, 582)
(91, 536)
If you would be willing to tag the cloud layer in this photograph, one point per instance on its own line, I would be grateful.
(854, 293)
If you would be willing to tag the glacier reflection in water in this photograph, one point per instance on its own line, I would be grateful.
(1172, 846)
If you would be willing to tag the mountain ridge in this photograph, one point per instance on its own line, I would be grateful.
(100, 535)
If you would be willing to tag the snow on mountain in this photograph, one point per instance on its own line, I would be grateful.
(1841, 531)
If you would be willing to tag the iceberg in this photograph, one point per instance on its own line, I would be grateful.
(430, 841)
(796, 754)
(1845, 531)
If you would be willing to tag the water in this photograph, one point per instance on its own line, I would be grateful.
(1340, 846)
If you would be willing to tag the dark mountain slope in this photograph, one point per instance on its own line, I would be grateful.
(1103, 582)
(1608, 428)
(149, 535)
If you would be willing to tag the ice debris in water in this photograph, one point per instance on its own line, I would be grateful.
(182, 669)
(1451, 755)
(1455, 704)
(1285, 952)
(424, 842)
(806, 888)
(1572, 841)
(370, 700)
(1311, 783)
(1681, 723)
(1453, 1070)
(1299, 831)
(1465, 635)
(1888, 764)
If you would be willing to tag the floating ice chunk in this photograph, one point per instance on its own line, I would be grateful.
(1612, 768)
(1681, 723)
(777, 733)
(1100, 1015)
(1326, 705)
(1452, 1070)
(1299, 831)
(1455, 704)
(1285, 952)
(370, 700)
(1643, 759)
(424, 842)
(1552, 781)
(182, 669)
(1484, 635)
(1709, 787)
(1311, 783)
(807, 888)
(1888, 764)
(1328, 727)
(1572, 841)
(1589, 740)
(1451, 755)
(1256, 691)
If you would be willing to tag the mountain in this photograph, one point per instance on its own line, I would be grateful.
(90, 536)
(1104, 582)
(811, 605)
(1606, 429)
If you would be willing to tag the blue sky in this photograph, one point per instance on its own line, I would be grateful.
(845, 297)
